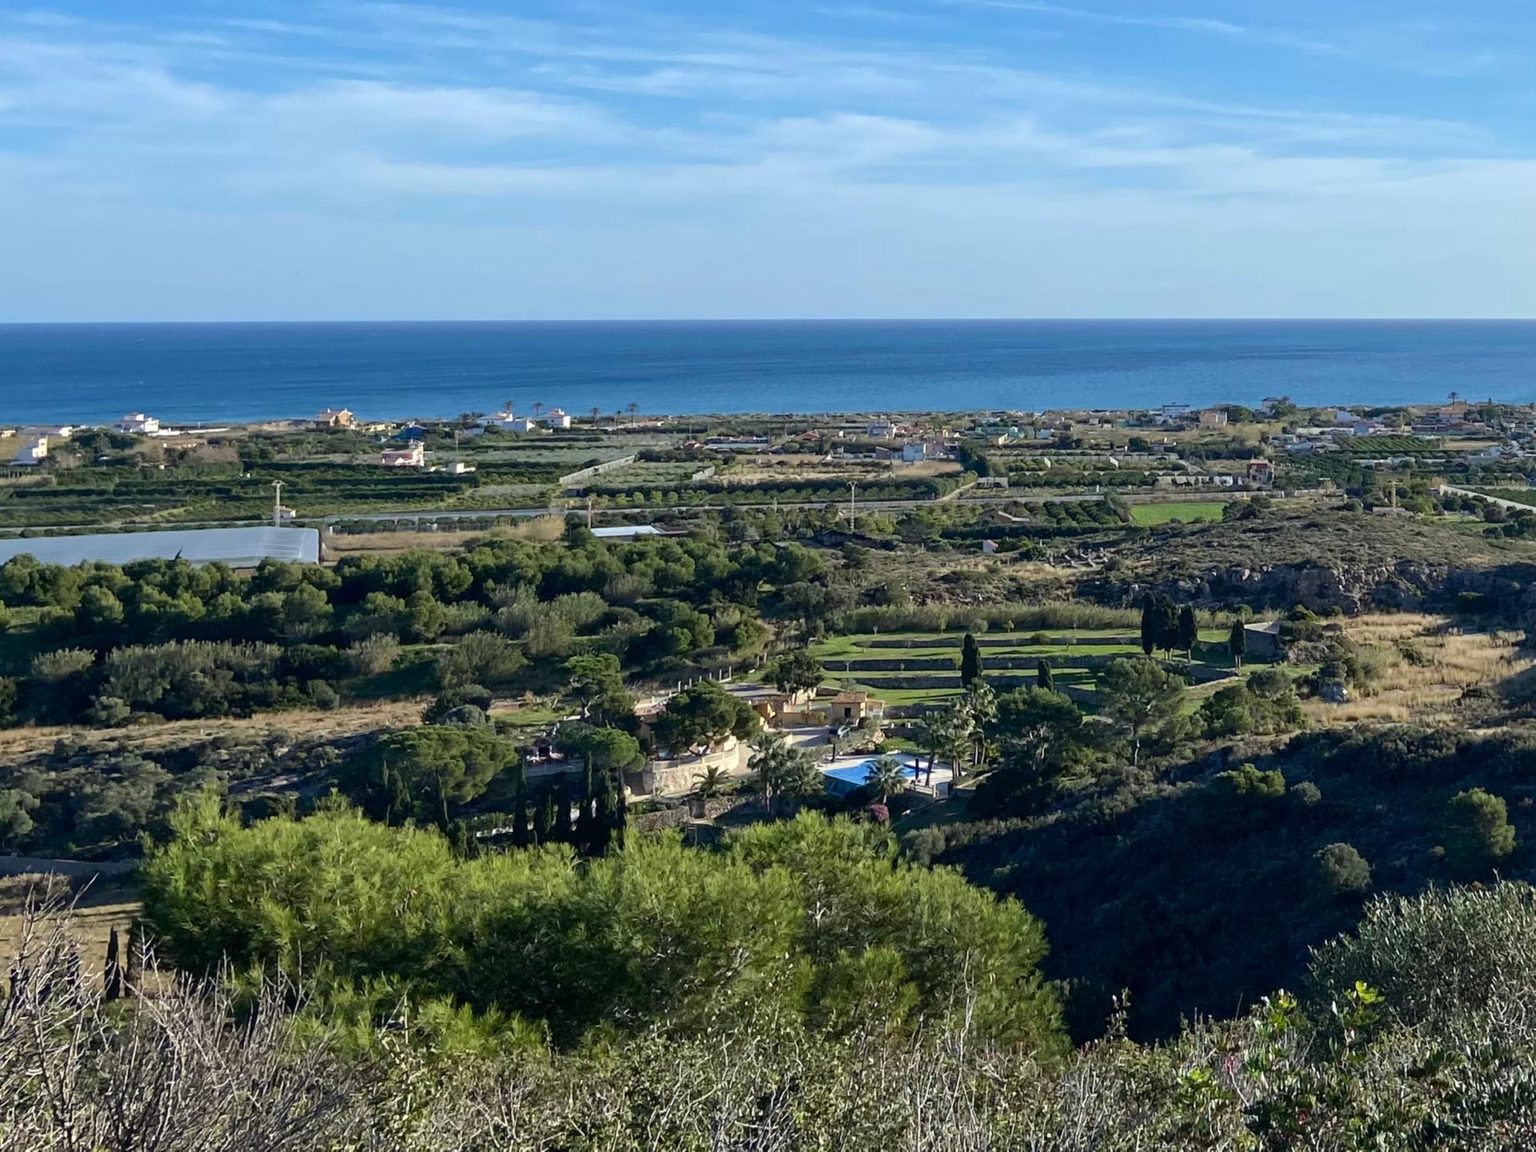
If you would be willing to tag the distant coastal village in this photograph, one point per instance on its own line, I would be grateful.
(990, 475)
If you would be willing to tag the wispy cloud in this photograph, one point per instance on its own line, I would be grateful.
(410, 117)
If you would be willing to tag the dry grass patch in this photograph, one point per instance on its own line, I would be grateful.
(299, 724)
(88, 910)
(536, 529)
(1428, 666)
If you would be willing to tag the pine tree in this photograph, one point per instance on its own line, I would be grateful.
(1237, 643)
(520, 809)
(970, 661)
(1043, 670)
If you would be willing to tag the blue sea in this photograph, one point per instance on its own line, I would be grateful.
(214, 373)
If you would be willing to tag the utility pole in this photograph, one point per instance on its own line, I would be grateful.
(853, 505)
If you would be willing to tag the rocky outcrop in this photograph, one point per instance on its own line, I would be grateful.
(1402, 586)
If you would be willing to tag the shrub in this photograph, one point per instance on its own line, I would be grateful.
(374, 655)
(1249, 781)
(1438, 956)
(466, 695)
(1478, 834)
(1342, 871)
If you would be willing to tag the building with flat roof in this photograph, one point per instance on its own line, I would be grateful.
(237, 547)
(138, 424)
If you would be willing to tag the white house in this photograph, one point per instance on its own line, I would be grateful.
(33, 452)
(523, 424)
(138, 424)
(556, 418)
(881, 430)
(414, 456)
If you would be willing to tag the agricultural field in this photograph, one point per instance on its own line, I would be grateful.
(911, 669)
(1193, 512)
(1074, 513)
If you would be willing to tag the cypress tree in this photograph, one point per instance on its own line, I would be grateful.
(599, 812)
(1187, 631)
(1043, 670)
(133, 967)
(112, 973)
(619, 817)
(970, 661)
(1162, 630)
(1237, 643)
(1149, 624)
(562, 831)
(586, 815)
(544, 818)
(520, 809)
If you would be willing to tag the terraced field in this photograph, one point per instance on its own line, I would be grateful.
(1191, 512)
(910, 669)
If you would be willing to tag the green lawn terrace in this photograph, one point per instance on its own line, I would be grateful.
(911, 670)
(1183, 512)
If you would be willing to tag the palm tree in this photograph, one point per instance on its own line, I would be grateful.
(707, 785)
(782, 771)
(633, 408)
(887, 776)
(538, 407)
(596, 412)
(767, 760)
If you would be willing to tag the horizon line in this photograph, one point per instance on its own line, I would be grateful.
(681, 320)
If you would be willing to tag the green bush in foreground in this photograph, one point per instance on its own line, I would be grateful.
(1348, 1069)
(810, 918)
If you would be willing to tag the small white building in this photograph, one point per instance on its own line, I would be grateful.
(415, 456)
(557, 418)
(138, 424)
(881, 430)
(33, 452)
(523, 424)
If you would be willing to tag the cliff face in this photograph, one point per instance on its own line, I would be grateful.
(1400, 586)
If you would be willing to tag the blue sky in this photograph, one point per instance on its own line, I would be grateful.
(766, 158)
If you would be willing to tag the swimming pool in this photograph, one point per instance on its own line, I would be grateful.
(842, 781)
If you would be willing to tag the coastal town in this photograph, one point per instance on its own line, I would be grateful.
(609, 464)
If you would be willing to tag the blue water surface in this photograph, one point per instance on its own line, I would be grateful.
(230, 372)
